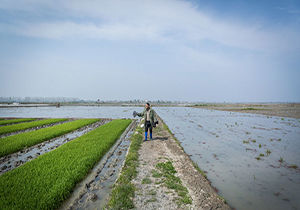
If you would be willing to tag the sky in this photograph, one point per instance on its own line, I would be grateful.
(197, 50)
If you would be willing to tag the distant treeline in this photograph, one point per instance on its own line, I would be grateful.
(69, 100)
(40, 100)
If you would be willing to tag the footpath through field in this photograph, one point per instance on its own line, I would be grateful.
(168, 179)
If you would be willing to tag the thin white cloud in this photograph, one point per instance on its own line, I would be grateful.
(68, 29)
(172, 20)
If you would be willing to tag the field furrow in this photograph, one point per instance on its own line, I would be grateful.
(14, 160)
(46, 181)
(14, 143)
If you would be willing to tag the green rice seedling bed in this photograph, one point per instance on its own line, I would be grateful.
(46, 181)
(27, 125)
(4, 122)
(17, 142)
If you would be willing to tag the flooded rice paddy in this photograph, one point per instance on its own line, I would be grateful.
(252, 160)
(70, 112)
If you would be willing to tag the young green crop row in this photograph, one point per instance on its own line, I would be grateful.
(4, 122)
(46, 181)
(17, 142)
(27, 125)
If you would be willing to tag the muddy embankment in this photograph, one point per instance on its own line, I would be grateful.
(14, 160)
(281, 110)
(152, 191)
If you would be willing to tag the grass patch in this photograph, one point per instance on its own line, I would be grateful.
(152, 192)
(173, 182)
(17, 142)
(46, 181)
(199, 170)
(246, 142)
(186, 199)
(5, 122)
(156, 174)
(123, 190)
(202, 105)
(222, 198)
(151, 200)
(27, 125)
(249, 109)
(293, 166)
(146, 180)
(281, 160)
(158, 182)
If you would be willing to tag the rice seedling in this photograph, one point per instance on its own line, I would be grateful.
(17, 142)
(27, 125)
(46, 181)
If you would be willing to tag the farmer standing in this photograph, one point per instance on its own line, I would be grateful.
(150, 119)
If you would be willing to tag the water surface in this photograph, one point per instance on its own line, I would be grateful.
(71, 112)
(226, 145)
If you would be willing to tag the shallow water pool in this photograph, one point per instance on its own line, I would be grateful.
(250, 159)
(71, 112)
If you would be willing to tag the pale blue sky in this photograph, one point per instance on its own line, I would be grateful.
(214, 51)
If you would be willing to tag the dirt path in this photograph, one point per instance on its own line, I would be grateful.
(151, 188)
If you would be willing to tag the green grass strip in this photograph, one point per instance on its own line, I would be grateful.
(173, 182)
(27, 125)
(46, 181)
(17, 142)
(4, 122)
(123, 191)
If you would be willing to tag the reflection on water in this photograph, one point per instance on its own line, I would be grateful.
(251, 159)
(71, 112)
